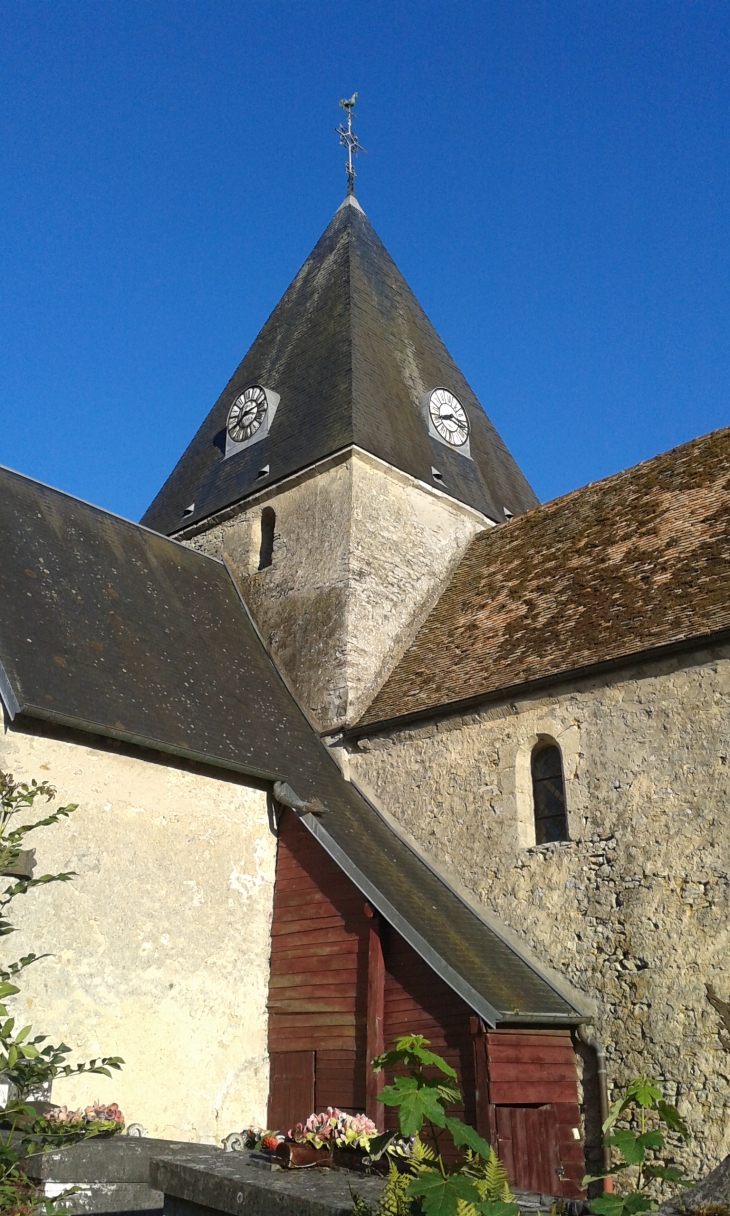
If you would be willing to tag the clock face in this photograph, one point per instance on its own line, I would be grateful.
(247, 413)
(449, 418)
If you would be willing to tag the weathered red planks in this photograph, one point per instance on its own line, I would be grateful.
(418, 1001)
(292, 1087)
(318, 984)
(533, 1097)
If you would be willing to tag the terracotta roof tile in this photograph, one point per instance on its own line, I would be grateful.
(634, 562)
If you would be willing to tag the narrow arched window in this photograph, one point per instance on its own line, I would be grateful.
(548, 794)
(268, 524)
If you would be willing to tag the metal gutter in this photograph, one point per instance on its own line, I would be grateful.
(8, 696)
(515, 691)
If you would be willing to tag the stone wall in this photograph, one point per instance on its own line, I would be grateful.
(160, 947)
(361, 553)
(635, 908)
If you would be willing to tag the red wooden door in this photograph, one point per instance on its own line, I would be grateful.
(527, 1146)
(291, 1088)
(527, 1103)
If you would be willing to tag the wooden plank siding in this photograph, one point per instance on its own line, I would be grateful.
(344, 984)
(320, 940)
(418, 1001)
(533, 1087)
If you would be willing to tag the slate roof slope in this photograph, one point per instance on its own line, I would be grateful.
(631, 563)
(111, 628)
(349, 349)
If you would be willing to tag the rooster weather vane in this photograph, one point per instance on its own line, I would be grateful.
(348, 139)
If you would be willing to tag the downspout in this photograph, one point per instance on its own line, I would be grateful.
(591, 1041)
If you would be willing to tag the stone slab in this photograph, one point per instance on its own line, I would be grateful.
(119, 1159)
(235, 1184)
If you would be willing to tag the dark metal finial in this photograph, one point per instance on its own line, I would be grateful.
(348, 139)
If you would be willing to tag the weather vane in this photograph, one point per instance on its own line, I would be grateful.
(349, 140)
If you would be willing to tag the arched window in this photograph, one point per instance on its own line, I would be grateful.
(548, 794)
(268, 523)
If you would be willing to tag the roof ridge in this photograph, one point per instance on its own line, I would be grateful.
(624, 473)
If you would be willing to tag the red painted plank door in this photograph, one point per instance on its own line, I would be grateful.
(534, 1110)
(291, 1088)
(527, 1147)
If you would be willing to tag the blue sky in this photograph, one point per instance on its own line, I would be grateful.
(551, 178)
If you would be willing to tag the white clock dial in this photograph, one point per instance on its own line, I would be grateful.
(448, 417)
(247, 413)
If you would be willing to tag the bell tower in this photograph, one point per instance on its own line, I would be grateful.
(342, 472)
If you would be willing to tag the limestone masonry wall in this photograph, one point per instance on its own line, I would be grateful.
(635, 908)
(361, 553)
(160, 946)
(300, 601)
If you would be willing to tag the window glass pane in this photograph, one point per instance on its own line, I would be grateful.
(546, 763)
(548, 793)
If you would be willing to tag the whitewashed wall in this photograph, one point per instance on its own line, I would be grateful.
(160, 946)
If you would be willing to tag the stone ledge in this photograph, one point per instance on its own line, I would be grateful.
(117, 1159)
(236, 1184)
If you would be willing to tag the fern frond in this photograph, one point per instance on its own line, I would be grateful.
(465, 1209)
(359, 1206)
(490, 1178)
(421, 1152)
(393, 1201)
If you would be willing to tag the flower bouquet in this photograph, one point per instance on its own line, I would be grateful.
(97, 1119)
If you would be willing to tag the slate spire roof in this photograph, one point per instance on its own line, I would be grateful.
(349, 350)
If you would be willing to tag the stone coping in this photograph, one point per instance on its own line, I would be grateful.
(113, 1159)
(241, 1185)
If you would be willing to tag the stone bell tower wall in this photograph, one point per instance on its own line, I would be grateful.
(360, 554)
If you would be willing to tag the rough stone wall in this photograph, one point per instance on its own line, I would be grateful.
(300, 601)
(635, 908)
(361, 553)
(405, 543)
(160, 946)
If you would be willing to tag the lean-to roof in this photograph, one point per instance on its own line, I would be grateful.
(108, 627)
(349, 349)
(633, 563)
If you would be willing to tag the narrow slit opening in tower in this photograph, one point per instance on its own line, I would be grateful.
(268, 524)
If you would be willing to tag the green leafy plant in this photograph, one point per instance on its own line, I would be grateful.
(477, 1184)
(645, 1110)
(26, 1065)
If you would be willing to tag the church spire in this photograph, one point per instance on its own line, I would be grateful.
(348, 139)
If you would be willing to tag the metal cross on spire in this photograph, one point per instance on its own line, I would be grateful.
(349, 140)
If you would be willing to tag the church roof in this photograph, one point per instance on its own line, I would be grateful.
(349, 350)
(616, 569)
(110, 628)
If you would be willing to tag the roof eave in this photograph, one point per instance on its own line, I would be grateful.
(491, 1015)
(445, 709)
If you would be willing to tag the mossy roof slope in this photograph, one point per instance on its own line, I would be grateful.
(619, 567)
(110, 628)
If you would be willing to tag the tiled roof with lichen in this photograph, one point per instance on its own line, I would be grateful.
(621, 566)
